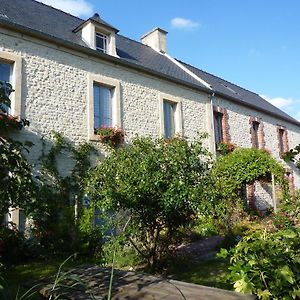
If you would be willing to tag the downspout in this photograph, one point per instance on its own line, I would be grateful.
(210, 123)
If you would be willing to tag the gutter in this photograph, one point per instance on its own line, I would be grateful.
(99, 55)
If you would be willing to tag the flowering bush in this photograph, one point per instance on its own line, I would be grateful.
(8, 122)
(112, 136)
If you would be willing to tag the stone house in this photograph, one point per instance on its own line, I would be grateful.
(73, 75)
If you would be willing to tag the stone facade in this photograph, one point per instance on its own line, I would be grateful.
(55, 88)
(55, 85)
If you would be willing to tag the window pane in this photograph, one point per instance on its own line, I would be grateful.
(169, 124)
(102, 107)
(5, 71)
(255, 126)
(281, 145)
(218, 127)
(101, 42)
(5, 75)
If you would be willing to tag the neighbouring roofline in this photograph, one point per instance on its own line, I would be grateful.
(118, 61)
(238, 101)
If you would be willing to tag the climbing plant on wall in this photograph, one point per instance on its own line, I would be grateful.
(17, 188)
(244, 166)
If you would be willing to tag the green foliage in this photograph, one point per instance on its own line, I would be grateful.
(17, 188)
(5, 90)
(225, 148)
(112, 136)
(91, 236)
(159, 183)
(267, 264)
(244, 166)
(12, 245)
(54, 217)
(292, 156)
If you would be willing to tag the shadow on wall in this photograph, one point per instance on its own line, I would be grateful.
(263, 199)
(64, 163)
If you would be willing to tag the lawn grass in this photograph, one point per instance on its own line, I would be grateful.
(209, 272)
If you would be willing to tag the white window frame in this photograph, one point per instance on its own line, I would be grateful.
(16, 81)
(114, 85)
(178, 124)
(105, 42)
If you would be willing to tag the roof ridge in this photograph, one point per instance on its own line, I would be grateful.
(60, 10)
(219, 78)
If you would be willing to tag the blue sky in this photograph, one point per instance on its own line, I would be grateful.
(255, 44)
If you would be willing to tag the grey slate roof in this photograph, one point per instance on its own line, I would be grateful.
(56, 24)
(241, 95)
(96, 18)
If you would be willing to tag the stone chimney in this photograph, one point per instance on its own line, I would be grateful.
(156, 39)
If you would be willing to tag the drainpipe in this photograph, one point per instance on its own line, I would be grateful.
(210, 122)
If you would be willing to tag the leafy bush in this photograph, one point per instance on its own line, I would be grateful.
(267, 264)
(12, 245)
(160, 184)
(16, 185)
(244, 166)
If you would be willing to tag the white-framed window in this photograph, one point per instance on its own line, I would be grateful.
(170, 116)
(102, 106)
(11, 71)
(101, 42)
(104, 103)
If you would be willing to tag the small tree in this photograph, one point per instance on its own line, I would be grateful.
(159, 183)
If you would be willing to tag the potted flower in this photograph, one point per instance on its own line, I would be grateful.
(112, 136)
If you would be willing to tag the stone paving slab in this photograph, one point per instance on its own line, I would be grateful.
(135, 286)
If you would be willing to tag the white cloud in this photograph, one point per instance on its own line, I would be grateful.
(181, 23)
(78, 8)
(279, 101)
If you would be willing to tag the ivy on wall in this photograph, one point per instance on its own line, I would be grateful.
(245, 166)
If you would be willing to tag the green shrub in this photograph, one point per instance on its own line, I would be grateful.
(160, 185)
(12, 245)
(267, 264)
(244, 166)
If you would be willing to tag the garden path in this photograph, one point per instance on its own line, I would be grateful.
(205, 248)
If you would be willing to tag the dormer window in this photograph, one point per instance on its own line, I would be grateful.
(101, 42)
(98, 35)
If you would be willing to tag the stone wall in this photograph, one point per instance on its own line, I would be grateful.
(55, 92)
(54, 96)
